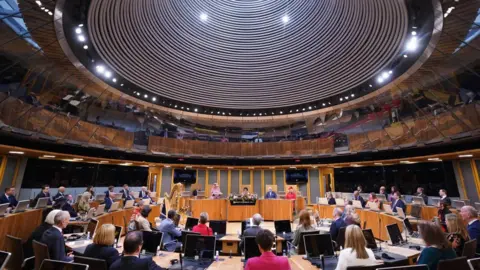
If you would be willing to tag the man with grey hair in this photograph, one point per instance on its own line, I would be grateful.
(202, 227)
(470, 215)
(337, 223)
(53, 237)
(255, 222)
(143, 193)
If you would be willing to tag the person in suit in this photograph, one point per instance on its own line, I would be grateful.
(331, 199)
(437, 247)
(357, 197)
(132, 245)
(143, 194)
(43, 194)
(397, 202)
(268, 260)
(444, 197)
(9, 197)
(109, 200)
(143, 223)
(170, 232)
(109, 190)
(253, 230)
(337, 223)
(102, 246)
(53, 237)
(48, 216)
(270, 194)
(126, 193)
(420, 193)
(202, 227)
(470, 216)
(62, 204)
(60, 193)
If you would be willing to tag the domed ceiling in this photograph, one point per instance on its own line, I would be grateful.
(255, 54)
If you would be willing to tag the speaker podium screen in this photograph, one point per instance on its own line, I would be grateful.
(296, 176)
(184, 176)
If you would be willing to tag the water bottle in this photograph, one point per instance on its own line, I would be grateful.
(88, 235)
(143, 251)
(284, 253)
(158, 251)
(116, 243)
(215, 234)
(216, 256)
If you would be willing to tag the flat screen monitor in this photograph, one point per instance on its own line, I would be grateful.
(92, 227)
(191, 222)
(201, 246)
(218, 226)
(317, 245)
(296, 176)
(282, 226)
(42, 203)
(118, 233)
(408, 226)
(251, 248)
(245, 225)
(416, 211)
(184, 176)
(4, 257)
(394, 234)
(183, 238)
(410, 267)
(371, 243)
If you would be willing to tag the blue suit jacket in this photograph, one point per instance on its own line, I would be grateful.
(474, 232)
(170, 233)
(359, 198)
(132, 262)
(126, 195)
(335, 228)
(109, 254)
(10, 200)
(108, 203)
(58, 196)
(271, 195)
(53, 238)
(400, 204)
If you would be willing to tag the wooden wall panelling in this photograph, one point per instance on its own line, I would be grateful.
(34, 119)
(81, 132)
(60, 125)
(10, 110)
(103, 136)
(400, 134)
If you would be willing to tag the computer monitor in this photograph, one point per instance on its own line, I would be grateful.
(60, 265)
(371, 243)
(410, 267)
(357, 204)
(283, 226)
(100, 197)
(3, 209)
(250, 248)
(183, 238)
(341, 237)
(323, 201)
(100, 210)
(301, 244)
(114, 207)
(317, 245)
(340, 202)
(92, 227)
(400, 212)
(245, 225)
(394, 234)
(21, 206)
(42, 203)
(118, 233)
(408, 226)
(418, 200)
(4, 257)
(458, 204)
(435, 201)
(381, 197)
(218, 226)
(416, 211)
(190, 223)
(201, 246)
(129, 204)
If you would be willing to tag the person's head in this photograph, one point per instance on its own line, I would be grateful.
(420, 190)
(125, 186)
(432, 234)
(356, 193)
(455, 225)
(203, 218)
(85, 196)
(61, 219)
(215, 185)
(10, 191)
(290, 190)
(171, 214)
(349, 209)
(382, 190)
(50, 219)
(257, 219)
(110, 188)
(360, 188)
(468, 213)
(329, 195)
(45, 188)
(245, 189)
(304, 219)
(442, 192)
(61, 189)
(396, 195)
(141, 204)
(70, 197)
(105, 235)
(337, 213)
(112, 195)
(264, 240)
(145, 211)
(269, 189)
(393, 189)
(144, 189)
(132, 245)
(355, 240)
(90, 188)
(372, 197)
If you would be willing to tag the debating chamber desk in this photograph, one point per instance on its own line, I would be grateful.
(222, 209)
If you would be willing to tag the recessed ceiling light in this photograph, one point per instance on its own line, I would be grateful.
(378, 163)
(48, 156)
(138, 94)
(100, 69)
(38, 3)
(346, 97)
(154, 99)
(108, 74)
(353, 95)
(77, 159)
(126, 164)
(434, 159)
(167, 166)
(414, 33)
(323, 104)
(17, 152)
(195, 110)
(281, 112)
(204, 17)
(463, 156)
(80, 25)
(47, 10)
(175, 106)
(380, 80)
(310, 107)
(341, 99)
(85, 47)
(50, 13)
(114, 79)
(209, 167)
(104, 161)
(285, 19)
(370, 85)
(405, 56)
(385, 75)
(145, 96)
(121, 84)
(42, 8)
(78, 30)
(412, 44)
(81, 38)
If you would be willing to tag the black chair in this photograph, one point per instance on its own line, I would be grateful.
(474, 264)
(152, 241)
(301, 245)
(250, 248)
(366, 267)
(17, 259)
(4, 258)
(398, 263)
(457, 263)
(341, 237)
(184, 238)
(91, 262)
(41, 253)
(410, 267)
(469, 249)
(59, 265)
(218, 226)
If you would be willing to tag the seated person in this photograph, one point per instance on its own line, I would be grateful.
(357, 197)
(331, 199)
(382, 191)
(372, 199)
(109, 200)
(350, 216)
(9, 197)
(91, 190)
(457, 233)
(393, 189)
(338, 223)
(60, 193)
(304, 225)
(102, 246)
(397, 202)
(43, 194)
(53, 237)
(470, 217)
(437, 247)
(270, 194)
(110, 190)
(84, 204)
(62, 204)
(252, 231)
(267, 260)
(48, 217)
(143, 194)
(170, 232)
(355, 252)
(142, 219)
(202, 227)
(245, 192)
(132, 245)
(420, 193)
(215, 193)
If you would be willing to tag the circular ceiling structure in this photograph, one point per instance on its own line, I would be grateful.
(247, 54)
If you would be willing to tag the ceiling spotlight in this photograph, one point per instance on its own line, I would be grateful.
(323, 104)
(380, 80)
(181, 108)
(310, 107)
(48, 156)
(464, 156)
(434, 159)
(195, 110)
(303, 109)
(108, 74)
(114, 79)
(341, 99)
(281, 112)
(353, 95)
(254, 114)
(138, 94)
(297, 110)
(204, 17)
(223, 113)
(414, 33)
(285, 19)
(81, 38)
(154, 99)
(412, 44)
(370, 85)
(385, 75)
(145, 96)
(17, 152)
(405, 56)
(346, 97)
(78, 30)
(100, 69)
(188, 109)
(121, 84)
(47, 10)
(38, 3)
(42, 8)
(50, 13)
(390, 72)
(85, 47)
(218, 112)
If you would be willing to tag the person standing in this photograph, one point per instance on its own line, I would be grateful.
(397, 202)
(126, 193)
(444, 197)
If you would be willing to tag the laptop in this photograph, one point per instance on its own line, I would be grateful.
(146, 201)
(357, 204)
(418, 200)
(323, 201)
(92, 227)
(42, 203)
(3, 210)
(416, 211)
(90, 213)
(409, 228)
(118, 196)
(201, 246)
(317, 245)
(21, 206)
(283, 229)
(340, 202)
(395, 234)
(100, 197)
(183, 238)
(129, 204)
(388, 209)
(381, 197)
(190, 223)
(457, 204)
(219, 227)
(400, 213)
(374, 207)
(100, 210)
(371, 243)
(435, 201)
(113, 208)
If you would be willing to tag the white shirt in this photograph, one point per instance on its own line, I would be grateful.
(444, 196)
(58, 228)
(348, 258)
(472, 221)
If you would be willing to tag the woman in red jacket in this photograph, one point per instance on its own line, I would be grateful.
(202, 227)
(291, 196)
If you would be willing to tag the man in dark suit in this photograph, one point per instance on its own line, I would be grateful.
(338, 223)
(132, 246)
(126, 193)
(270, 194)
(421, 194)
(357, 197)
(43, 194)
(143, 194)
(253, 230)
(53, 237)
(444, 197)
(9, 197)
(60, 193)
(109, 200)
(397, 202)
(110, 190)
(470, 216)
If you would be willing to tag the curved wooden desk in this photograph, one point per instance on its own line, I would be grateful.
(20, 225)
(276, 209)
(119, 217)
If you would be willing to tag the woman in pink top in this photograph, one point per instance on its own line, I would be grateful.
(215, 193)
